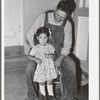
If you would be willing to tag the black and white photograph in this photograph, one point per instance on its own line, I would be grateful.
(46, 50)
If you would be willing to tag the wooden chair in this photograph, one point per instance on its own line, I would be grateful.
(58, 81)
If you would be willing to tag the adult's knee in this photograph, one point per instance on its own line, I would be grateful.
(68, 71)
(69, 64)
(30, 66)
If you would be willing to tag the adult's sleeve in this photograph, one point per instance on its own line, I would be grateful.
(67, 39)
(39, 22)
(33, 51)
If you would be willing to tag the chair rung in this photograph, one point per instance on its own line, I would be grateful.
(57, 82)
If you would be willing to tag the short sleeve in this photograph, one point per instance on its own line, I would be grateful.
(52, 49)
(33, 51)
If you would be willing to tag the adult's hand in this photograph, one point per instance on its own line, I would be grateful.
(30, 44)
(27, 42)
(59, 60)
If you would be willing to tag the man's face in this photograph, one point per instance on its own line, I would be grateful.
(60, 15)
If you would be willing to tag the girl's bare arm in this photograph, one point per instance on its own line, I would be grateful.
(37, 60)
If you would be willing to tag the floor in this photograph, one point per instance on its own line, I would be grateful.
(16, 87)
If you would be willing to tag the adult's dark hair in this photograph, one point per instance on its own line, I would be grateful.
(65, 5)
(40, 30)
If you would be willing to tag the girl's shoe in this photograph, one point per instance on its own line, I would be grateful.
(52, 98)
(43, 97)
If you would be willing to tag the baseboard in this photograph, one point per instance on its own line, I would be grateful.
(12, 51)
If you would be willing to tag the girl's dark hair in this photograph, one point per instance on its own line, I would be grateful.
(40, 30)
(44, 30)
(65, 5)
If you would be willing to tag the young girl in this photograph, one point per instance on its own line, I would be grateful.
(44, 53)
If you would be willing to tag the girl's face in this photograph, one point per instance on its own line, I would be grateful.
(42, 38)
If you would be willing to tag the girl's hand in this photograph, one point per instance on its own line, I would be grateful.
(38, 61)
(49, 56)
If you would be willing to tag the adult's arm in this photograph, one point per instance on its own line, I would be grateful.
(67, 44)
(39, 22)
(67, 39)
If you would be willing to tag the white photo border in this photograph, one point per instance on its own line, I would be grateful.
(93, 50)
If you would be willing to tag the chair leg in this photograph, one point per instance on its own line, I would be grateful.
(62, 90)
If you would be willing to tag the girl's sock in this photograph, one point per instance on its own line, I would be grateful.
(42, 89)
(50, 90)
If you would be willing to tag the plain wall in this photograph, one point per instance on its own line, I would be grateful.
(33, 8)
